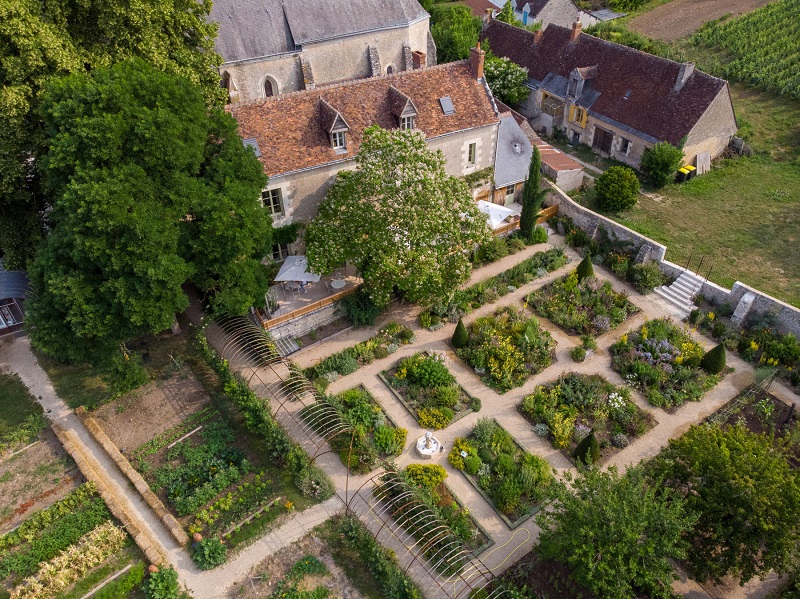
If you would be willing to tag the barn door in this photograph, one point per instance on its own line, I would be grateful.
(602, 140)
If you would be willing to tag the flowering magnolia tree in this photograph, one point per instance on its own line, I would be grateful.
(400, 219)
(506, 79)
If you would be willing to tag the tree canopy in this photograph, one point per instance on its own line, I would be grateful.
(40, 41)
(150, 189)
(660, 163)
(746, 495)
(617, 189)
(616, 533)
(454, 30)
(506, 79)
(399, 218)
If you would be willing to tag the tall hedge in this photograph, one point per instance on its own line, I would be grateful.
(714, 360)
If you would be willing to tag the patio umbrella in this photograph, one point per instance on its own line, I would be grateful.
(295, 268)
(496, 213)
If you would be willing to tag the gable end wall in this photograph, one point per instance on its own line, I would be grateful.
(713, 130)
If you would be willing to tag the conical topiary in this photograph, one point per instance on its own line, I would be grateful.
(714, 360)
(588, 450)
(460, 336)
(585, 268)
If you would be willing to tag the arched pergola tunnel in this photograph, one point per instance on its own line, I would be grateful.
(384, 501)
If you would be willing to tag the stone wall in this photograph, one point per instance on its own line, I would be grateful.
(713, 131)
(306, 323)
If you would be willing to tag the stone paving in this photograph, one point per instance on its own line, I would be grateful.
(509, 545)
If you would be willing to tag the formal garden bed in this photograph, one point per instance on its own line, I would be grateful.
(426, 486)
(493, 288)
(513, 481)
(663, 361)
(582, 307)
(507, 348)
(576, 405)
(370, 433)
(427, 389)
(387, 341)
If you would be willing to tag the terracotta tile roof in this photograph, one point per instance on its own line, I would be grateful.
(652, 107)
(289, 132)
(478, 7)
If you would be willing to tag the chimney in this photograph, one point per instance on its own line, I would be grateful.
(686, 70)
(476, 56)
(487, 15)
(576, 30)
(537, 35)
(418, 59)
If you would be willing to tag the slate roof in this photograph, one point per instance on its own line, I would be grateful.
(536, 6)
(652, 108)
(13, 283)
(514, 153)
(258, 28)
(288, 131)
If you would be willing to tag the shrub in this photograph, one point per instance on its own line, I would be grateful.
(406, 335)
(541, 429)
(646, 277)
(428, 476)
(390, 440)
(617, 189)
(435, 418)
(714, 360)
(380, 352)
(493, 250)
(472, 464)
(162, 585)
(620, 440)
(460, 335)
(209, 553)
(695, 316)
(446, 396)
(461, 445)
(515, 244)
(588, 342)
(578, 353)
(660, 163)
(426, 371)
(360, 308)
(538, 235)
(475, 404)
(585, 268)
(588, 450)
(504, 465)
(425, 319)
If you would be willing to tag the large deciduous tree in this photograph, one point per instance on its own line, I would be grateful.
(747, 497)
(454, 30)
(150, 189)
(399, 218)
(506, 79)
(616, 533)
(44, 40)
(532, 195)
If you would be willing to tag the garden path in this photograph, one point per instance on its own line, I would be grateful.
(511, 545)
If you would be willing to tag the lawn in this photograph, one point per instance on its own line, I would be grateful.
(17, 403)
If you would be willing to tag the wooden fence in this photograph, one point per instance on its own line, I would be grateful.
(544, 215)
(326, 301)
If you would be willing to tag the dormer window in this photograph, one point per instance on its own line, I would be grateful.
(403, 109)
(407, 122)
(338, 141)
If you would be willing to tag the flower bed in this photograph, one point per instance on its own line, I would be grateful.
(588, 307)
(664, 362)
(427, 487)
(489, 290)
(568, 409)
(429, 392)
(374, 434)
(347, 361)
(507, 348)
(514, 481)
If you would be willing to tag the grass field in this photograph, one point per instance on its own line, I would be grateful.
(16, 402)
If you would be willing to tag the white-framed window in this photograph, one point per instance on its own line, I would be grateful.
(280, 251)
(472, 153)
(406, 122)
(338, 140)
(625, 146)
(272, 200)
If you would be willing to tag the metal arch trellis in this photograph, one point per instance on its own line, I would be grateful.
(251, 353)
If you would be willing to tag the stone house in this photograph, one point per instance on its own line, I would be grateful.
(272, 47)
(615, 99)
(305, 138)
(557, 12)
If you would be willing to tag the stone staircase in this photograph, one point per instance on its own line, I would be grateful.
(682, 291)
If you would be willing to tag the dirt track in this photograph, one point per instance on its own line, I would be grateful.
(679, 18)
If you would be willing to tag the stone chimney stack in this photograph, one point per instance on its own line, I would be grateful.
(418, 59)
(476, 57)
(537, 35)
(576, 30)
(487, 15)
(686, 70)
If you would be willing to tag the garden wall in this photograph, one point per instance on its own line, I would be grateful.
(744, 299)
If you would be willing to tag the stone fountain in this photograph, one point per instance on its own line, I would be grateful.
(428, 445)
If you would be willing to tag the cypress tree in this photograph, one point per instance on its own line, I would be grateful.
(460, 335)
(588, 450)
(532, 196)
(713, 361)
(585, 268)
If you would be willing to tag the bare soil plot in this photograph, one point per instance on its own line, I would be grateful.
(679, 18)
(264, 578)
(148, 411)
(34, 479)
